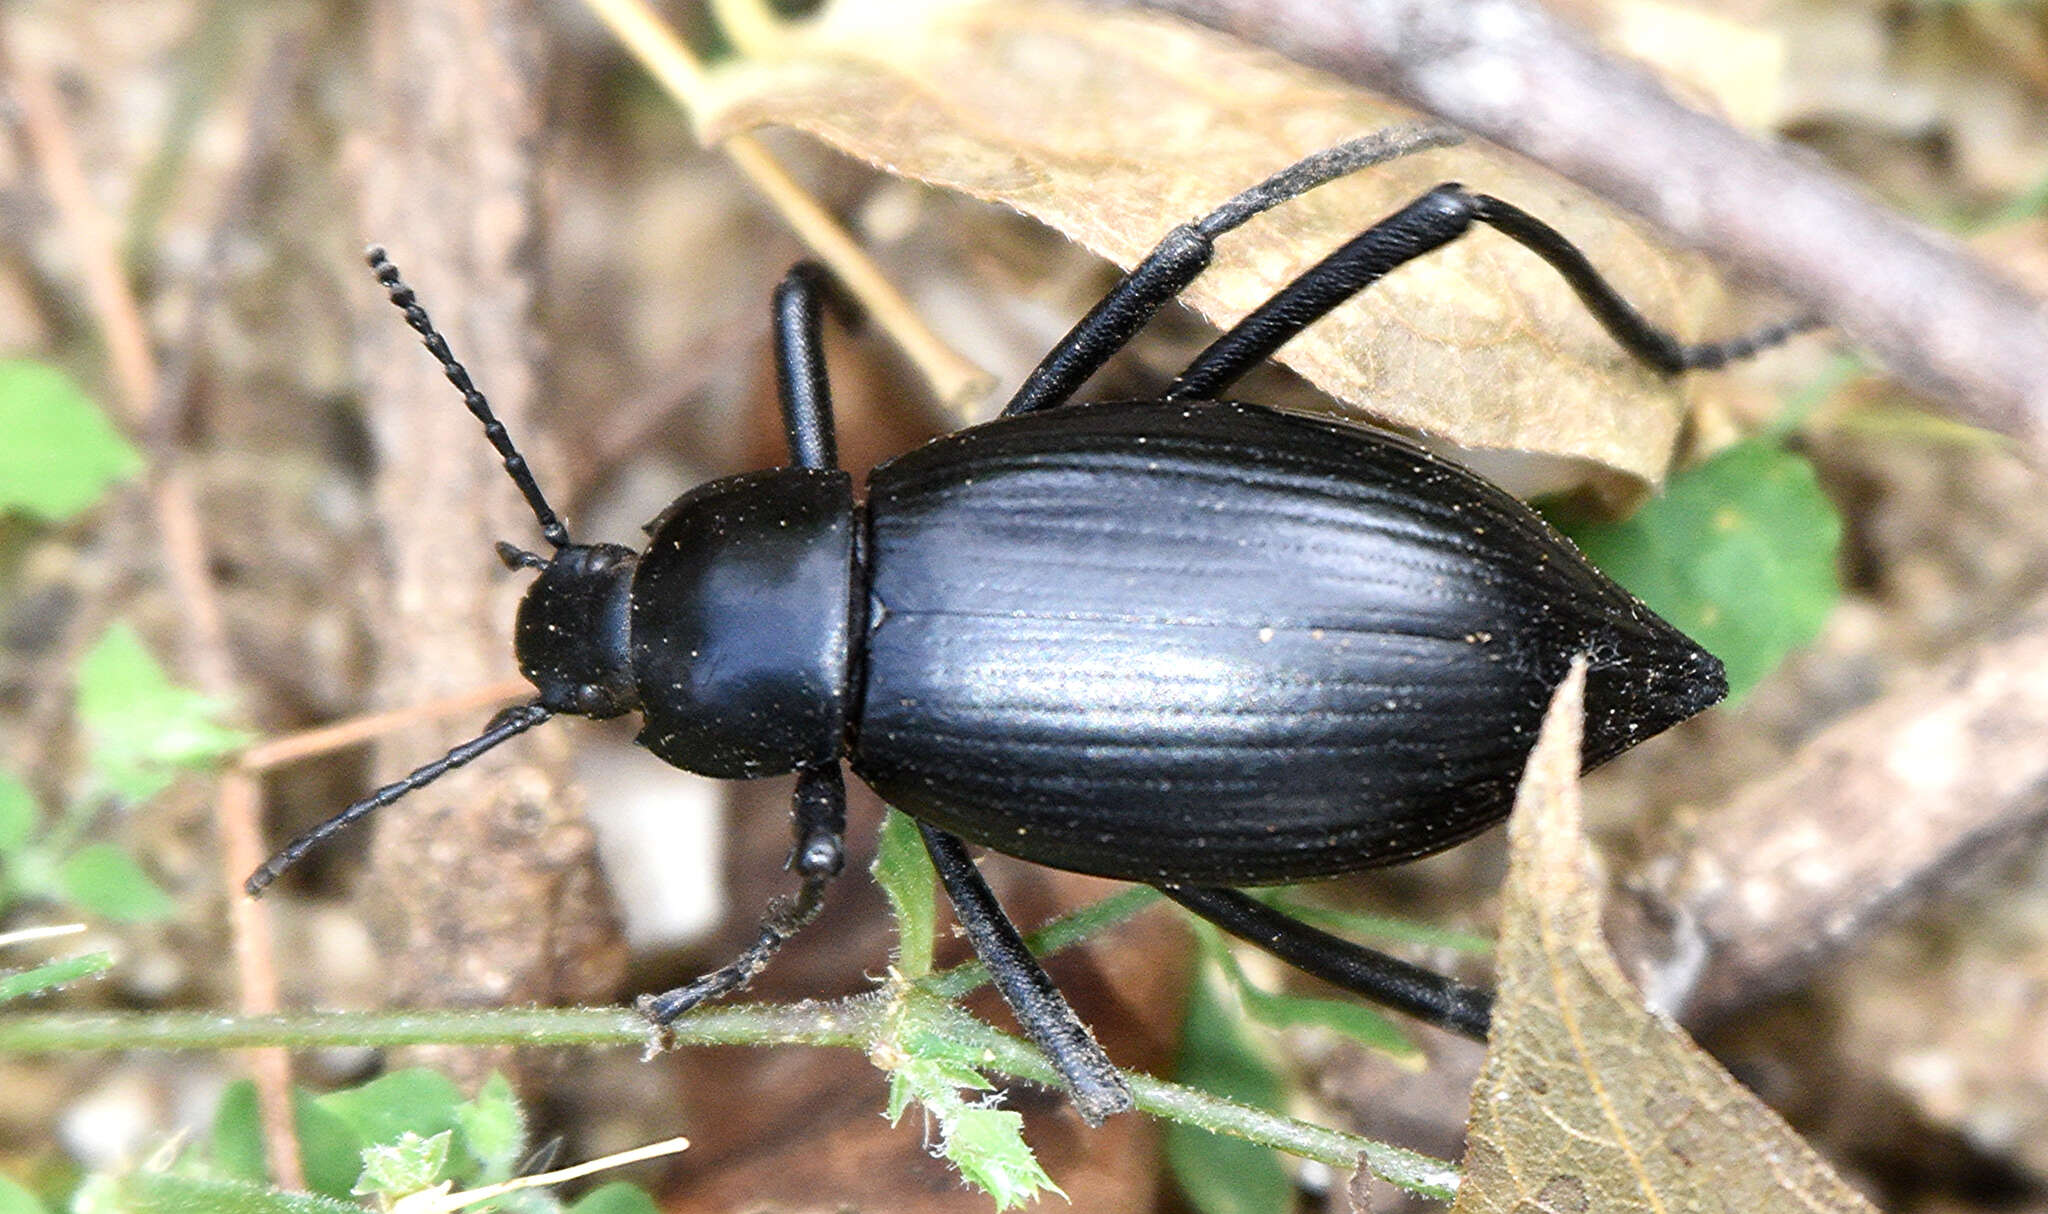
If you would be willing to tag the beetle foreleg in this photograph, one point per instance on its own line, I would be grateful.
(819, 816)
(1097, 1088)
(1426, 995)
(800, 368)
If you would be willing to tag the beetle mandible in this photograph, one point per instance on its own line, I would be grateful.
(1182, 641)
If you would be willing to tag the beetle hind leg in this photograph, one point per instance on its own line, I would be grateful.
(819, 816)
(1432, 221)
(1389, 981)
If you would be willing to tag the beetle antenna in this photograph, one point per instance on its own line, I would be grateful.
(551, 527)
(506, 725)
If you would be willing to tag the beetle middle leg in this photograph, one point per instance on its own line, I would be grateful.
(1097, 1088)
(1185, 252)
(819, 818)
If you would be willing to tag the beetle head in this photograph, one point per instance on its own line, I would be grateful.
(571, 636)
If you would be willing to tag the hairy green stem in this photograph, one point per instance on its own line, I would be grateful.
(927, 1027)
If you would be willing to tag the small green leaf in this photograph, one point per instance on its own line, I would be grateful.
(139, 725)
(238, 1133)
(330, 1153)
(1739, 552)
(618, 1197)
(61, 453)
(50, 976)
(986, 1143)
(904, 871)
(1349, 1018)
(416, 1101)
(17, 814)
(1220, 1174)
(16, 1200)
(157, 1193)
(1384, 928)
(107, 881)
(410, 1164)
(494, 1127)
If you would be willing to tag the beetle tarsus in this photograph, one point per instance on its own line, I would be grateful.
(818, 816)
(785, 918)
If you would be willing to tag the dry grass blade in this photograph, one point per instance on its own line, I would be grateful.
(1588, 1101)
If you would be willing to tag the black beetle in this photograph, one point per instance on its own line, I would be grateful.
(1182, 641)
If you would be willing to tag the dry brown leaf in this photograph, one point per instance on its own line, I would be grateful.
(1115, 126)
(1588, 1101)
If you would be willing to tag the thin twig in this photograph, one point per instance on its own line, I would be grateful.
(1509, 71)
(340, 735)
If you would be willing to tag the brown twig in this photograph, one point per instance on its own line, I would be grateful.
(1509, 71)
(340, 735)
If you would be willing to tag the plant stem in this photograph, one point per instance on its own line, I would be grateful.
(930, 1028)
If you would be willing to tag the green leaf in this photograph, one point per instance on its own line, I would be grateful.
(107, 881)
(17, 814)
(1383, 928)
(1738, 551)
(1352, 1019)
(406, 1166)
(618, 1197)
(61, 453)
(139, 725)
(238, 1133)
(330, 1153)
(16, 1200)
(416, 1101)
(905, 873)
(986, 1143)
(905, 1083)
(494, 1128)
(50, 976)
(157, 1193)
(1220, 1174)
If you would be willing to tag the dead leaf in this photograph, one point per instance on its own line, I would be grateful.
(1588, 1101)
(1115, 126)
